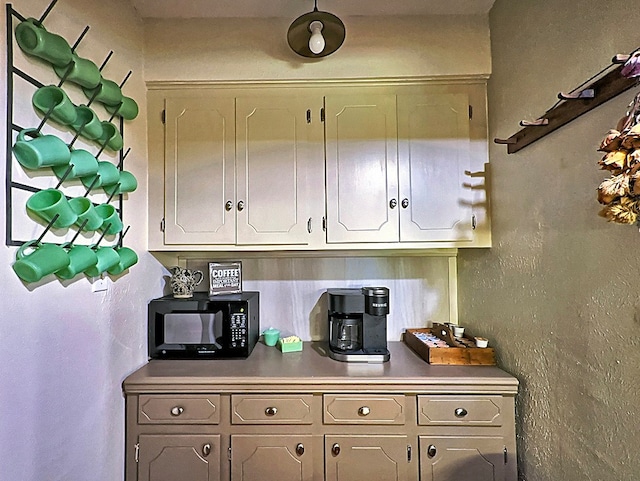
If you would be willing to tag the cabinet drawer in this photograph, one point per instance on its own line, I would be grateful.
(460, 410)
(271, 409)
(354, 409)
(186, 409)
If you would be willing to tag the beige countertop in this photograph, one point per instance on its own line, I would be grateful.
(312, 369)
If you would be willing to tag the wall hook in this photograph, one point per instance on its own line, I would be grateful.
(534, 123)
(104, 232)
(581, 94)
(77, 42)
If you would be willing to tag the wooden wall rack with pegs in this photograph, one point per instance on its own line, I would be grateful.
(595, 91)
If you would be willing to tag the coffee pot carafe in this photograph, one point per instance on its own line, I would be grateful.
(358, 324)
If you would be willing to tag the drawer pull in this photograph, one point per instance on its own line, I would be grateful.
(460, 412)
(177, 410)
(271, 411)
(206, 450)
(335, 449)
(364, 411)
(431, 451)
(300, 449)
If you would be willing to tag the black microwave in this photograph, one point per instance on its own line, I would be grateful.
(204, 327)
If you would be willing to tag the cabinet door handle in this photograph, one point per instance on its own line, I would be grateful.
(405, 203)
(300, 449)
(177, 410)
(460, 412)
(271, 411)
(240, 205)
(206, 450)
(228, 205)
(364, 411)
(393, 203)
(309, 229)
(335, 449)
(431, 451)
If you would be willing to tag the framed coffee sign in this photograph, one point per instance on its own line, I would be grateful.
(225, 277)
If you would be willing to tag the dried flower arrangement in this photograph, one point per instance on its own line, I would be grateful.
(620, 194)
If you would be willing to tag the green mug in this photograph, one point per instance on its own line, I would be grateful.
(86, 211)
(126, 183)
(34, 40)
(111, 222)
(111, 136)
(44, 259)
(53, 99)
(128, 258)
(82, 164)
(48, 203)
(40, 151)
(108, 174)
(107, 258)
(89, 121)
(108, 93)
(82, 72)
(81, 258)
(128, 109)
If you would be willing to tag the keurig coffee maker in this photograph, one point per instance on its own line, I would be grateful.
(358, 324)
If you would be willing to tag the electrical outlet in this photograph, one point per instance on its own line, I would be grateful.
(99, 284)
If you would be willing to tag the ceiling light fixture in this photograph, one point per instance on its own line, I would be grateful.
(316, 34)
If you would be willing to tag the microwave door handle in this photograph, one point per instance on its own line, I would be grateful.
(215, 328)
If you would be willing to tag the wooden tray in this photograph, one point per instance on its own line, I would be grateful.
(457, 352)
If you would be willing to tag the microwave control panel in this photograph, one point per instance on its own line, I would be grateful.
(238, 329)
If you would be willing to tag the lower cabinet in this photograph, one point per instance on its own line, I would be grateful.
(332, 422)
(460, 458)
(164, 457)
(371, 458)
(271, 458)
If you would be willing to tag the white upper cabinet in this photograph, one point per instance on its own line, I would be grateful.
(434, 167)
(199, 176)
(275, 142)
(326, 167)
(361, 168)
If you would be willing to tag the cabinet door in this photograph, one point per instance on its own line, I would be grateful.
(457, 458)
(361, 163)
(199, 171)
(276, 141)
(434, 165)
(183, 457)
(374, 458)
(271, 458)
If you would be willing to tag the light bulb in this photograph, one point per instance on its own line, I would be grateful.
(316, 42)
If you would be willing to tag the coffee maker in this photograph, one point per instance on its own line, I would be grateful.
(358, 324)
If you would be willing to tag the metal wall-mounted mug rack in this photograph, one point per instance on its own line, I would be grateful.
(103, 134)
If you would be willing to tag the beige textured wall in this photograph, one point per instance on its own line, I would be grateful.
(256, 49)
(558, 292)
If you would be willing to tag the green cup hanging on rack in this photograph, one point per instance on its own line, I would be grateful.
(40, 261)
(128, 109)
(88, 121)
(111, 222)
(87, 214)
(107, 92)
(53, 101)
(41, 150)
(108, 174)
(81, 258)
(34, 40)
(107, 259)
(82, 72)
(111, 136)
(126, 183)
(48, 203)
(82, 162)
(128, 258)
